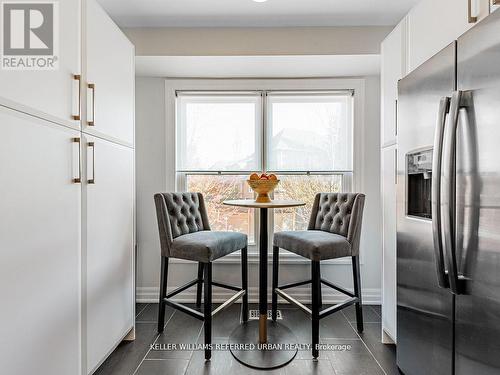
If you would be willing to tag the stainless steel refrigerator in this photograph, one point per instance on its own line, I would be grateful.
(448, 206)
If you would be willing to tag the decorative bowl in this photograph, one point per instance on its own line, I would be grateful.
(263, 188)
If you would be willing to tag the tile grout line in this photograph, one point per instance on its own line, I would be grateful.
(142, 310)
(366, 346)
(376, 312)
(154, 342)
(192, 352)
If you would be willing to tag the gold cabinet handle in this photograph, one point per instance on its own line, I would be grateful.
(91, 87)
(472, 19)
(92, 146)
(77, 77)
(78, 179)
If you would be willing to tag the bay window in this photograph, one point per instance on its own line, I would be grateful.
(304, 137)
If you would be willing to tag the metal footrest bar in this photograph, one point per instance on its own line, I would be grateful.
(332, 309)
(338, 288)
(195, 313)
(184, 309)
(181, 288)
(293, 285)
(225, 286)
(293, 301)
(229, 302)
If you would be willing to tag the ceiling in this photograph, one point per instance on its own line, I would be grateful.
(257, 66)
(247, 13)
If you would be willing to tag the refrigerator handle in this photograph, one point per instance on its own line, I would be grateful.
(448, 196)
(467, 119)
(442, 277)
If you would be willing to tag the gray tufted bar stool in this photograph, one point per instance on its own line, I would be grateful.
(334, 231)
(185, 234)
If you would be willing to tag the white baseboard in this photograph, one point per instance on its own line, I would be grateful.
(219, 295)
(387, 338)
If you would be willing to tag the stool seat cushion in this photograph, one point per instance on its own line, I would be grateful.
(313, 244)
(206, 246)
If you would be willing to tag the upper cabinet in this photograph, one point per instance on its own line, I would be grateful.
(110, 78)
(393, 58)
(432, 25)
(40, 71)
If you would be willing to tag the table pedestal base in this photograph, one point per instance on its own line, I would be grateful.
(280, 349)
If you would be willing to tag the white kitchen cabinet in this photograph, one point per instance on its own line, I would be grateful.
(110, 78)
(432, 25)
(389, 302)
(40, 257)
(393, 68)
(50, 93)
(67, 245)
(109, 252)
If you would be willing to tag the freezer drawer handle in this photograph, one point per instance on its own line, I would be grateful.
(92, 146)
(78, 179)
(444, 106)
(448, 214)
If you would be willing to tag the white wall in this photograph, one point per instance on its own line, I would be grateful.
(257, 41)
(155, 172)
(150, 174)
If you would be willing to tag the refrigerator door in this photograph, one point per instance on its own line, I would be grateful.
(425, 311)
(478, 200)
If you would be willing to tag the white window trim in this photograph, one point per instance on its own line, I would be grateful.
(172, 85)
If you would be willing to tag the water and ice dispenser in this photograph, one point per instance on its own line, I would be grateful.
(419, 183)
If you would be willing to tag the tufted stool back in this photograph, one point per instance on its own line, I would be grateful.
(339, 213)
(179, 214)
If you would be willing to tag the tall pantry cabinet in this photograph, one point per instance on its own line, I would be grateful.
(393, 68)
(67, 228)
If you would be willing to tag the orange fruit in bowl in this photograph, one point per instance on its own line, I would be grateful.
(272, 176)
(254, 176)
(263, 187)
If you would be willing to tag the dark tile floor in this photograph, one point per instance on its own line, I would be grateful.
(366, 355)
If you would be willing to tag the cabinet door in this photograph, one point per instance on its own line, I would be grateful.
(435, 24)
(50, 93)
(389, 157)
(393, 61)
(110, 73)
(109, 222)
(40, 247)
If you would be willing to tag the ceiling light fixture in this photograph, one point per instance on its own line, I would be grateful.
(260, 1)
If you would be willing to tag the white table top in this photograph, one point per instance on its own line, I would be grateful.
(250, 203)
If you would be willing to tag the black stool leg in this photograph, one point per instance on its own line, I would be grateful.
(320, 292)
(276, 255)
(244, 283)
(163, 293)
(315, 291)
(357, 292)
(199, 285)
(207, 309)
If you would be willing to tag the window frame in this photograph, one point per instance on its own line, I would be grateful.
(351, 179)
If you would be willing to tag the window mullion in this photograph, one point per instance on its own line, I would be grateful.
(266, 132)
